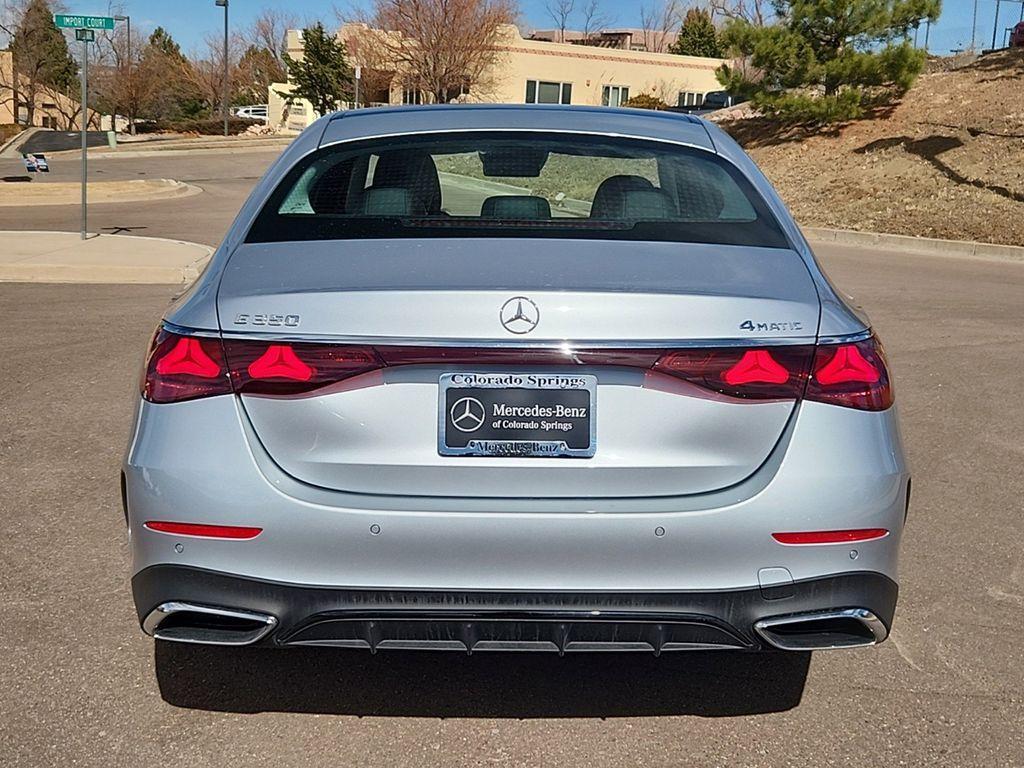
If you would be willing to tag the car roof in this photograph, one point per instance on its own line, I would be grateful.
(641, 123)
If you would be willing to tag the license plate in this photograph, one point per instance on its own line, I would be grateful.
(513, 414)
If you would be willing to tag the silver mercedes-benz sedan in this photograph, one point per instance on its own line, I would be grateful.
(515, 378)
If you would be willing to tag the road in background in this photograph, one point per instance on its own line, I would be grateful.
(226, 178)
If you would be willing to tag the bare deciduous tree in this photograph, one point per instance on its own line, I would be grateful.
(207, 69)
(439, 47)
(756, 12)
(115, 74)
(268, 31)
(659, 22)
(593, 18)
(560, 11)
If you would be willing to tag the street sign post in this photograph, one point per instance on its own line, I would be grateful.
(85, 32)
(83, 22)
(85, 138)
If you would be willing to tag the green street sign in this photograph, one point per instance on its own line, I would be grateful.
(85, 35)
(83, 22)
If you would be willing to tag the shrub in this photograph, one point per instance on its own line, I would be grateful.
(9, 131)
(207, 126)
(646, 101)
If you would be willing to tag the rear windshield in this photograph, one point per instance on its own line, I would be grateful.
(516, 185)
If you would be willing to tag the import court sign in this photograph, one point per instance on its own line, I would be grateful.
(85, 32)
(83, 22)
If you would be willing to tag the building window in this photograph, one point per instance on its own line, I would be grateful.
(614, 95)
(690, 99)
(543, 92)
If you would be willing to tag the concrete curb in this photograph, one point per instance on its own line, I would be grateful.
(7, 148)
(922, 245)
(136, 191)
(118, 259)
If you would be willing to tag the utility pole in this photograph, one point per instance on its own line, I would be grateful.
(974, 25)
(927, 32)
(224, 96)
(995, 24)
(128, 74)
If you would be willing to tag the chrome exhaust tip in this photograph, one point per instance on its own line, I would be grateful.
(822, 630)
(207, 625)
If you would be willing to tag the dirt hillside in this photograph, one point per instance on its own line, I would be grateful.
(948, 161)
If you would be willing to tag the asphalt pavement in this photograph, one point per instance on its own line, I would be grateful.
(80, 685)
(226, 179)
(60, 141)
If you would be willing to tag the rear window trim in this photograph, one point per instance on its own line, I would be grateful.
(760, 201)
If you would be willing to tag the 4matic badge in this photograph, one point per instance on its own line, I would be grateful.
(785, 325)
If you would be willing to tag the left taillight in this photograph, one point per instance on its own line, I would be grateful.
(184, 368)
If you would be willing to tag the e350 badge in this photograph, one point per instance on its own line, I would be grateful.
(257, 318)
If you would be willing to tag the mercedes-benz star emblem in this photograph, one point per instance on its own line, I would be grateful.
(519, 315)
(468, 414)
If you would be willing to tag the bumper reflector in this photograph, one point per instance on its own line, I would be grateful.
(831, 537)
(205, 531)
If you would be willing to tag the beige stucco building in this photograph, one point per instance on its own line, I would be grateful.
(53, 109)
(535, 71)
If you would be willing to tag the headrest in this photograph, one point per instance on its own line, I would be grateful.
(515, 207)
(387, 201)
(416, 171)
(329, 193)
(700, 198)
(610, 195)
(647, 204)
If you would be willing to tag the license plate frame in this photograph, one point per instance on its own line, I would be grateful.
(518, 388)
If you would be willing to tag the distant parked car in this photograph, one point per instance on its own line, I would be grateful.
(1017, 36)
(253, 112)
(713, 101)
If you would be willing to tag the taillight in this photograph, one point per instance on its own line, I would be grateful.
(277, 368)
(776, 373)
(184, 368)
(852, 375)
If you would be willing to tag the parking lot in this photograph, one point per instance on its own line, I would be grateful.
(81, 685)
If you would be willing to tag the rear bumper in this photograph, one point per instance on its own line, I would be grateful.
(525, 621)
(197, 462)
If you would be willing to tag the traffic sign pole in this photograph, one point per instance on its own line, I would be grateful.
(85, 136)
(85, 30)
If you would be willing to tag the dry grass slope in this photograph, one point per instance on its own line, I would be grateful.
(947, 162)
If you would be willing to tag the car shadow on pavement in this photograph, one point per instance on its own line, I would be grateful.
(489, 685)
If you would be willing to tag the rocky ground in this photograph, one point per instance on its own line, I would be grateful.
(947, 161)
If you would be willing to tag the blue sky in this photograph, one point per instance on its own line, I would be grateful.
(189, 21)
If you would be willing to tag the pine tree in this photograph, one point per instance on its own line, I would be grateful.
(161, 40)
(323, 75)
(825, 60)
(166, 81)
(41, 56)
(697, 36)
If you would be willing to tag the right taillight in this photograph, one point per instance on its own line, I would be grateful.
(852, 375)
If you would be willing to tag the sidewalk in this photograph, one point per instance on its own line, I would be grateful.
(62, 257)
